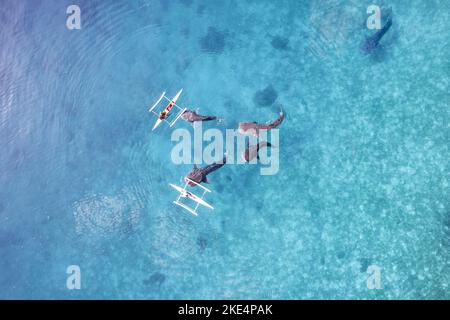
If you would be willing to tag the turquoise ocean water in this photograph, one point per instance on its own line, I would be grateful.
(364, 150)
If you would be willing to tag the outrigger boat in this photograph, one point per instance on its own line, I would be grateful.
(186, 194)
(162, 116)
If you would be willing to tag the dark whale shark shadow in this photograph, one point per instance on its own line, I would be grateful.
(377, 45)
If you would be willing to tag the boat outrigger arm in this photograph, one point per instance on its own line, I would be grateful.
(186, 194)
(167, 109)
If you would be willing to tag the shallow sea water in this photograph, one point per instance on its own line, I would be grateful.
(364, 150)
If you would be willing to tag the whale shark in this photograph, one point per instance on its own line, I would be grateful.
(253, 128)
(372, 42)
(192, 116)
(198, 175)
(252, 150)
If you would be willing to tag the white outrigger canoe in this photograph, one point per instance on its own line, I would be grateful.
(162, 116)
(186, 194)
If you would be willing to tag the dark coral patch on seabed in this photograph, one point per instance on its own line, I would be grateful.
(280, 43)
(213, 41)
(202, 243)
(265, 97)
(156, 279)
(187, 3)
